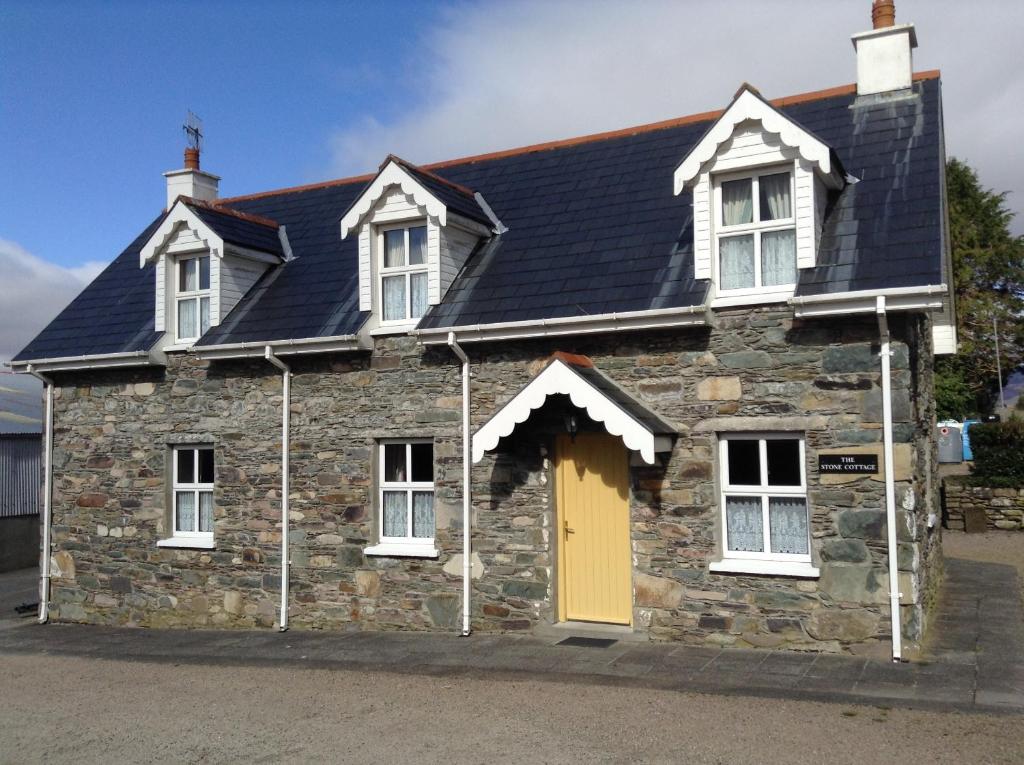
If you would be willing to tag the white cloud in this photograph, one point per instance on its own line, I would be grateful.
(32, 292)
(498, 75)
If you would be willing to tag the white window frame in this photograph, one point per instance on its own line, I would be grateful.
(405, 271)
(408, 546)
(756, 228)
(193, 538)
(196, 295)
(765, 562)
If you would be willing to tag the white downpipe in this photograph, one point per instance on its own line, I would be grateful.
(286, 375)
(467, 487)
(44, 567)
(890, 481)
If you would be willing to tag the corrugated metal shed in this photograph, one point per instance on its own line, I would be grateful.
(21, 460)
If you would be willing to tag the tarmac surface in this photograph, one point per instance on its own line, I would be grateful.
(975, 662)
(78, 693)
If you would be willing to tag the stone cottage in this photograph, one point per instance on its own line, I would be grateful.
(672, 381)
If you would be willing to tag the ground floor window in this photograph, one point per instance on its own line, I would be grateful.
(765, 514)
(192, 472)
(406, 498)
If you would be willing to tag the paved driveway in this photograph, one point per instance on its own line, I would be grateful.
(64, 709)
(16, 588)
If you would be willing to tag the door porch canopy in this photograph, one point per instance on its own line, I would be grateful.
(640, 429)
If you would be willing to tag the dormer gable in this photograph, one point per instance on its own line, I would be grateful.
(760, 184)
(206, 258)
(415, 231)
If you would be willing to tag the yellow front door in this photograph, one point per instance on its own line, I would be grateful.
(595, 564)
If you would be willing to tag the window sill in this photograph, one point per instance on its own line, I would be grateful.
(766, 567)
(188, 543)
(175, 347)
(765, 298)
(394, 329)
(393, 550)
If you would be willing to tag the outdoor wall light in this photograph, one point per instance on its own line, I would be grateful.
(572, 426)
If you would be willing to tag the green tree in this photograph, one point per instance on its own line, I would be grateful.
(988, 279)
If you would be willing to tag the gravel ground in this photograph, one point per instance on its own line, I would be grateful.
(990, 547)
(72, 710)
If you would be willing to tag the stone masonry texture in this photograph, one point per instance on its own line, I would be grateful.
(1003, 507)
(754, 369)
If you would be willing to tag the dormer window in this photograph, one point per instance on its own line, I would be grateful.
(403, 272)
(760, 185)
(756, 231)
(416, 230)
(192, 297)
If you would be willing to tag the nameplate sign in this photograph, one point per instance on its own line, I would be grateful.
(847, 463)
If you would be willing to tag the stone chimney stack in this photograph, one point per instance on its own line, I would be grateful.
(191, 181)
(884, 55)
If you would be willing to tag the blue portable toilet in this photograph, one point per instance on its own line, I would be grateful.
(968, 454)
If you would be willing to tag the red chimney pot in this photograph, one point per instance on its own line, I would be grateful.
(191, 158)
(883, 13)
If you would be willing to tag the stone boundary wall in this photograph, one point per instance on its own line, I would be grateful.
(1004, 508)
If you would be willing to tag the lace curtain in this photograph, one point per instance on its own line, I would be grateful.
(187, 282)
(417, 245)
(206, 511)
(778, 257)
(395, 513)
(736, 254)
(737, 203)
(423, 514)
(185, 511)
(787, 518)
(204, 315)
(187, 318)
(418, 290)
(774, 196)
(394, 248)
(744, 524)
(394, 297)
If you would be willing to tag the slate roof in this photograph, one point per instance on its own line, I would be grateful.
(593, 228)
(254, 232)
(454, 196)
(114, 314)
(626, 402)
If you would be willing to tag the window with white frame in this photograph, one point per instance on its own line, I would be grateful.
(755, 232)
(192, 297)
(407, 493)
(403, 272)
(192, 500)
(764, 497)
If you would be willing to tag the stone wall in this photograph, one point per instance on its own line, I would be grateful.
(754, 370)
(1003, 508)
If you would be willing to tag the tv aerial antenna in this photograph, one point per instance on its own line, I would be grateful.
(193, 128)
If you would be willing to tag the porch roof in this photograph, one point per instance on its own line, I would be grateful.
(622, 415)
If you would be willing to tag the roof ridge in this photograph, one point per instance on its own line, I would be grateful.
(217, 206)
(422, 169)
(798, 98)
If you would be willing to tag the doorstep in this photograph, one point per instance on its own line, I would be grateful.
(561, 630)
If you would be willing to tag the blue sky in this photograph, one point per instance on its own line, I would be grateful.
(93, 95)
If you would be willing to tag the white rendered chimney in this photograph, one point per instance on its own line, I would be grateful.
(884, 58)
(191, 181)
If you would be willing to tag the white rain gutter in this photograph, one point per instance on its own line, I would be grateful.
(251, 350)
(286, 376)
(658, 318)
(928, 297)
(91, 361)
(467, 487)
(890, 481)
(44, 568)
